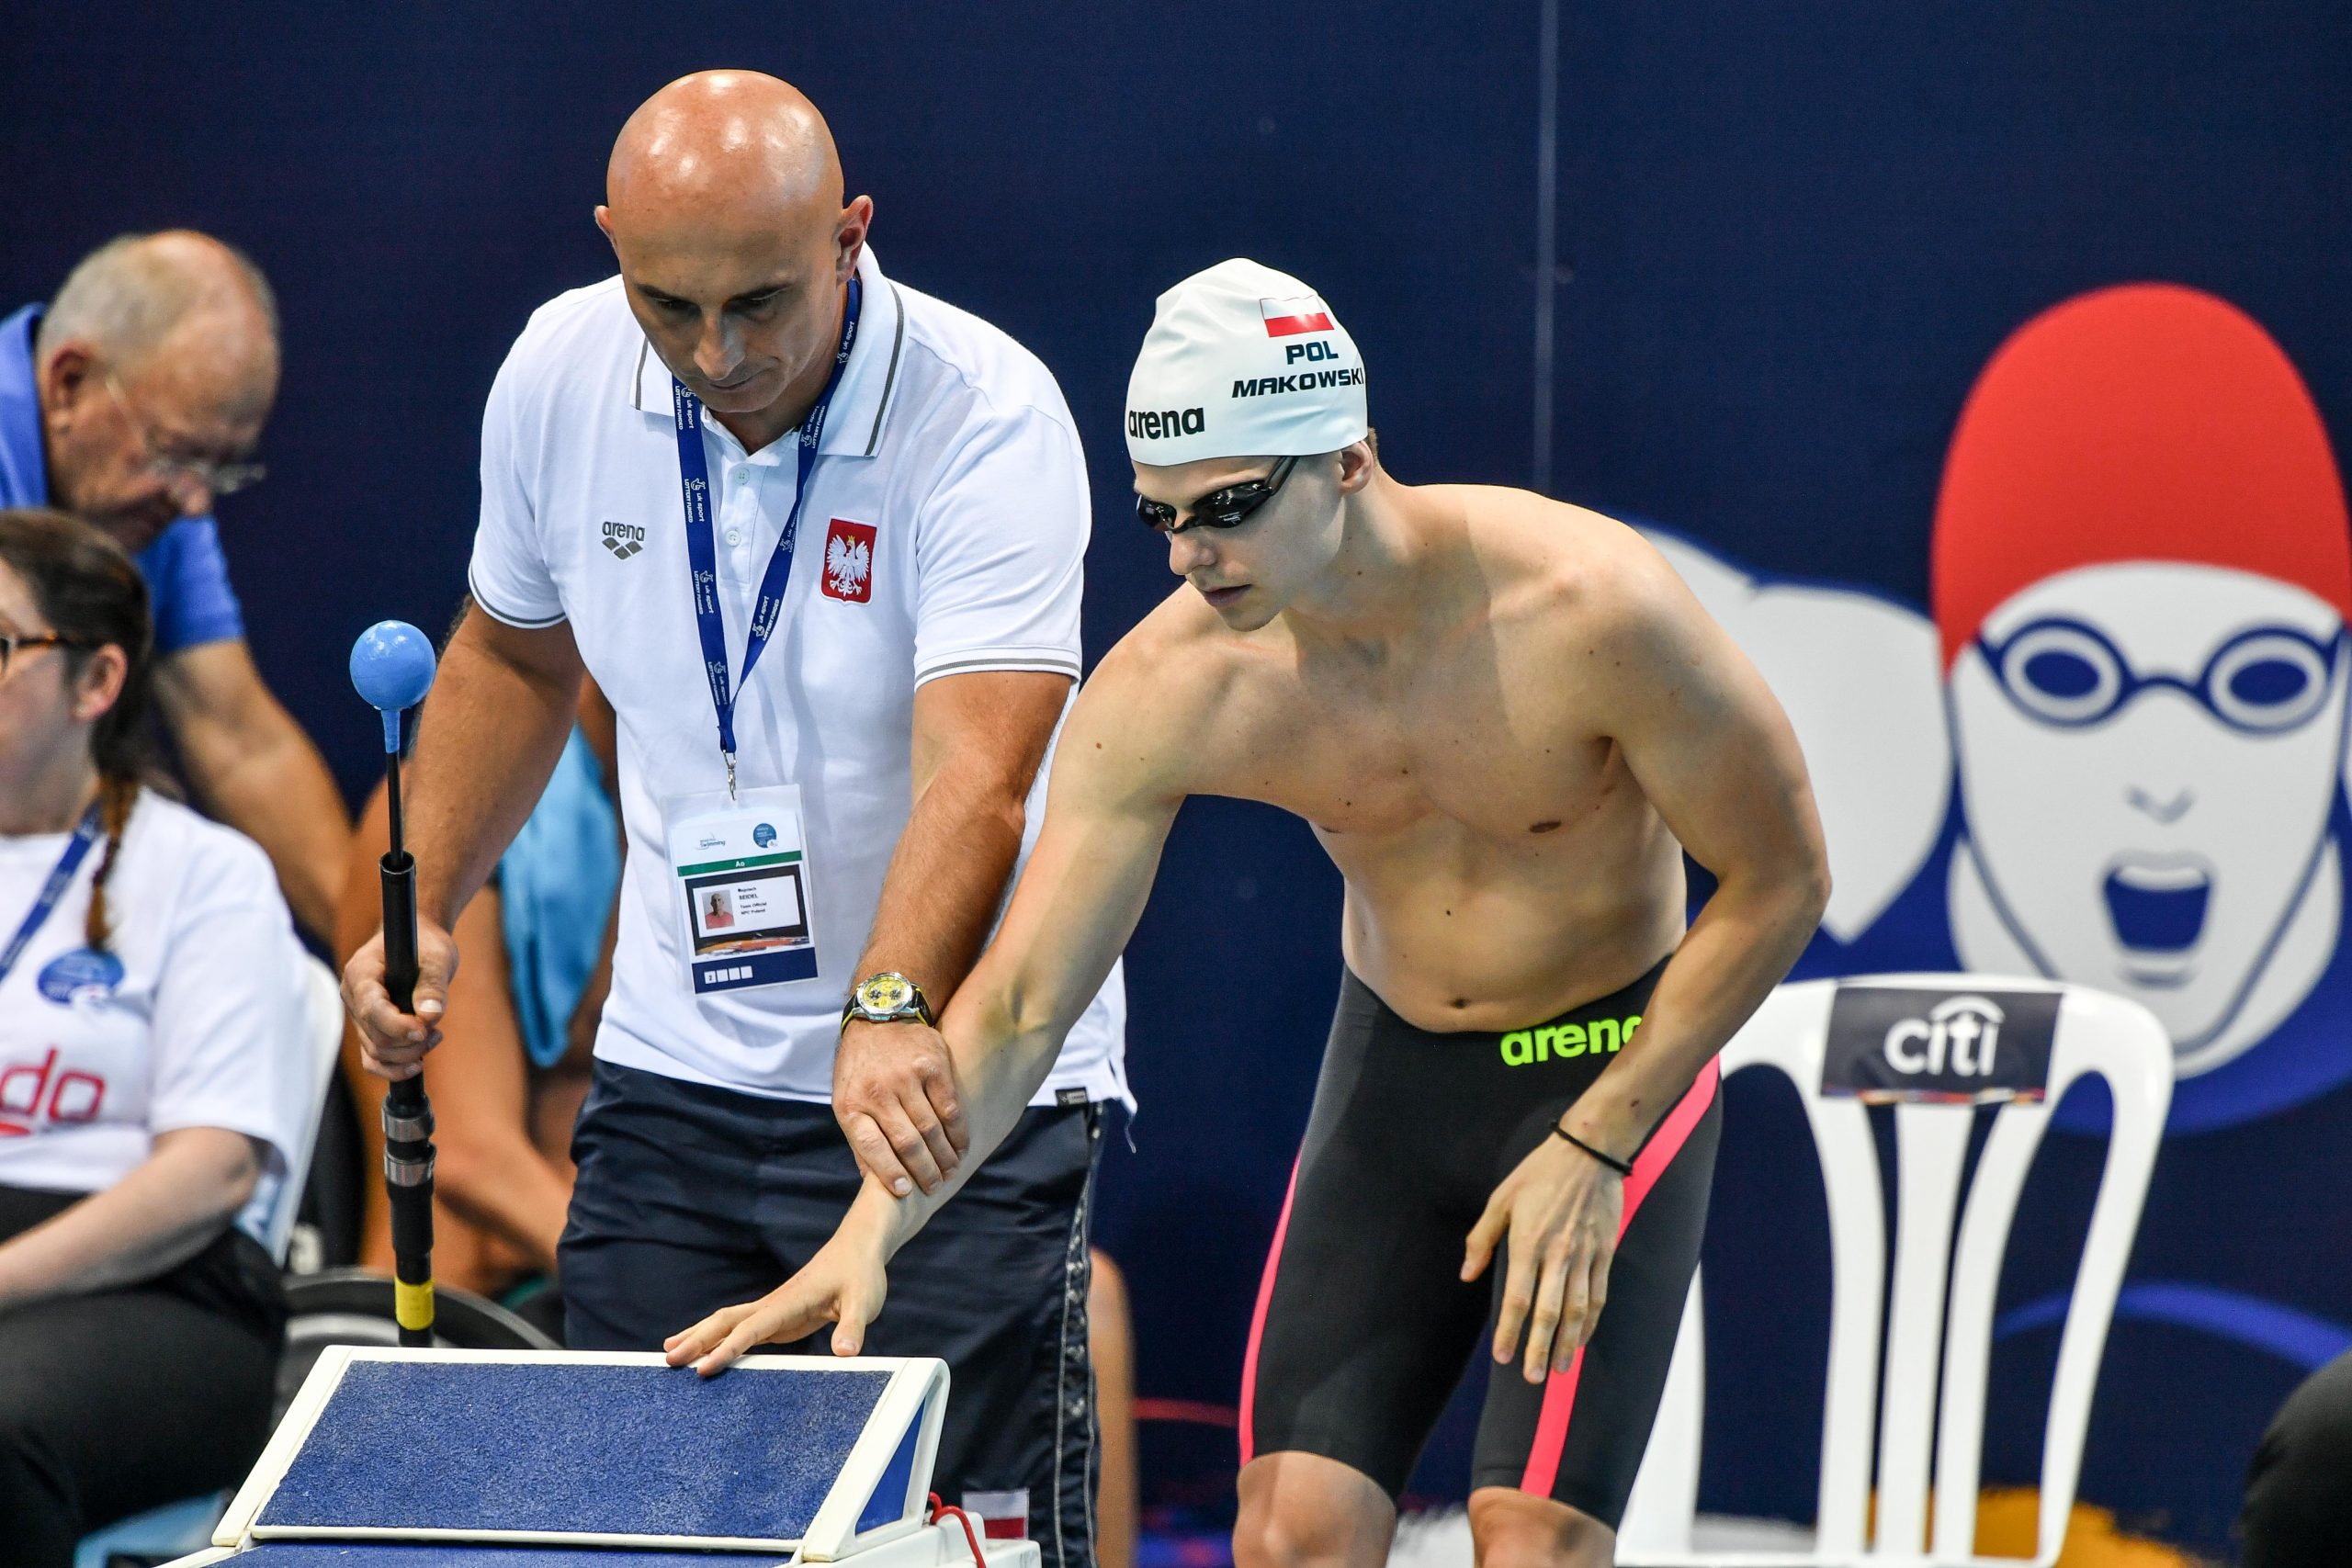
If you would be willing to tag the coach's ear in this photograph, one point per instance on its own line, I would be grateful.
(849, 236)
(1356, 464)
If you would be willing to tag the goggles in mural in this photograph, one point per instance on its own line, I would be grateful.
(2263, 681)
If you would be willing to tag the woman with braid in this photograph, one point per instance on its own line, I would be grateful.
(152, 1077)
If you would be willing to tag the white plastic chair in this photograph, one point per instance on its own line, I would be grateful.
(177, 1529)
(323, 1012)
(1934, 1309)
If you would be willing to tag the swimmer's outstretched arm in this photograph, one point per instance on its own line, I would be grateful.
(1715, 757)
(1117, 782)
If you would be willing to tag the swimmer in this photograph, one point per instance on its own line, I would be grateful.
(1506, 720)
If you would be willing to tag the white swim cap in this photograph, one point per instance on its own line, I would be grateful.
(1243, 361)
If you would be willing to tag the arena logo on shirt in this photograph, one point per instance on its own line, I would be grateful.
(34, 1092)
(624, 539)
(849, 561)
(84, 978)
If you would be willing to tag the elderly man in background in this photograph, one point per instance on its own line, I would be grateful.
(134, 400)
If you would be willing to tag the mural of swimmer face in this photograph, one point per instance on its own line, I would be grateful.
(2141, 576)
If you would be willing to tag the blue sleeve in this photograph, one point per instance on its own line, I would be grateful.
(188, 580)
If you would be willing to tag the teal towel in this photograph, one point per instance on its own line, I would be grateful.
(556, 883)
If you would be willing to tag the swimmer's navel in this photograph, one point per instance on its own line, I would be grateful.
(1542, 827)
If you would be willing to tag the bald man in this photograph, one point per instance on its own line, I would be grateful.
(818, 537)
(134, 399)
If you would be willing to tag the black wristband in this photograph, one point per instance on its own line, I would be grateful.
(1623, 1167)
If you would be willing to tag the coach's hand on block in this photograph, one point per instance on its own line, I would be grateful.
(842, 1285)
(1559, 1210)
(393, 1042)
(894, 1094)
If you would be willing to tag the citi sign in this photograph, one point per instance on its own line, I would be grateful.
(1958, 1036)
(1890, 1045)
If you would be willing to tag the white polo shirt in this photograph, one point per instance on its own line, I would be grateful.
(193, 1016)
(943, 532)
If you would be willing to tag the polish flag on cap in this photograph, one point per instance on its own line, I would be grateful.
(1288, 317)
(1243, 361)
(2147, 422)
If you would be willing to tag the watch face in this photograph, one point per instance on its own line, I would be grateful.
(884, 993)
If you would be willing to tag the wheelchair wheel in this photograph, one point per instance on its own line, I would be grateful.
(354, 1306)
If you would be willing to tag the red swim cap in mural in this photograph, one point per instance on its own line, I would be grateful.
(2142, 422)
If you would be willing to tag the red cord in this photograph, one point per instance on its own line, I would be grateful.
(939, 1508)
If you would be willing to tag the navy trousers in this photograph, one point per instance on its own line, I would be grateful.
(690, 1198)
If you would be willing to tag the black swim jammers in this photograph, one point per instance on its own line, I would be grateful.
(1363, 1324)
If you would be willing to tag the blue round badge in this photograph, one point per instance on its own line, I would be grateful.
(763, 835)
(85, 972)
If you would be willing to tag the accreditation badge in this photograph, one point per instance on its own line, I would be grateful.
(742, 874)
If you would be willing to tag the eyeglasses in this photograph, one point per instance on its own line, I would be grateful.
(218, 478)
(2263, 681)
(1226, 508)
(11, 642)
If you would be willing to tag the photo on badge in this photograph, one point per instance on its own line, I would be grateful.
(755, 906)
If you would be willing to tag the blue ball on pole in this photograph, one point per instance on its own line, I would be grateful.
(392, 667)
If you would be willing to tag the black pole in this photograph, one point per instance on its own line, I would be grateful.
(408, 1115)
(396, 852)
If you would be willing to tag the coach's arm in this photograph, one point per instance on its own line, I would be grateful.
(978, 739)
(496, 721)
(1115, 789)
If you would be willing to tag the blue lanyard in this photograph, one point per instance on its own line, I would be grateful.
(51, 891)
(702, 550)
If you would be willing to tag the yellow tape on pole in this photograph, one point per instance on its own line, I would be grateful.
(412, 1304)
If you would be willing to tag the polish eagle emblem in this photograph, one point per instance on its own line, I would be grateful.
(848, 562)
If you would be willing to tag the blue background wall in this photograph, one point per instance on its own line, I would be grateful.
(1788, 236)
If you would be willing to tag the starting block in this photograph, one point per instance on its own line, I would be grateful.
(525, 1459)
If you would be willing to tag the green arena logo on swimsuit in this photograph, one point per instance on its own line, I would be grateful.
(1602, 1035)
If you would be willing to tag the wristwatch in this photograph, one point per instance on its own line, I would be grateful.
(887, 997)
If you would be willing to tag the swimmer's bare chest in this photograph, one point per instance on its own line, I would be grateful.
(1502, 862)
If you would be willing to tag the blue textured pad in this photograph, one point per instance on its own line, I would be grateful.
(449, 1554)
(572, 1447)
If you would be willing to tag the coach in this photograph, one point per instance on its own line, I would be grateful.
(818, 537)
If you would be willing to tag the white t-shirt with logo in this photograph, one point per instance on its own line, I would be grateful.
(944, 532)
(193, 1016)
